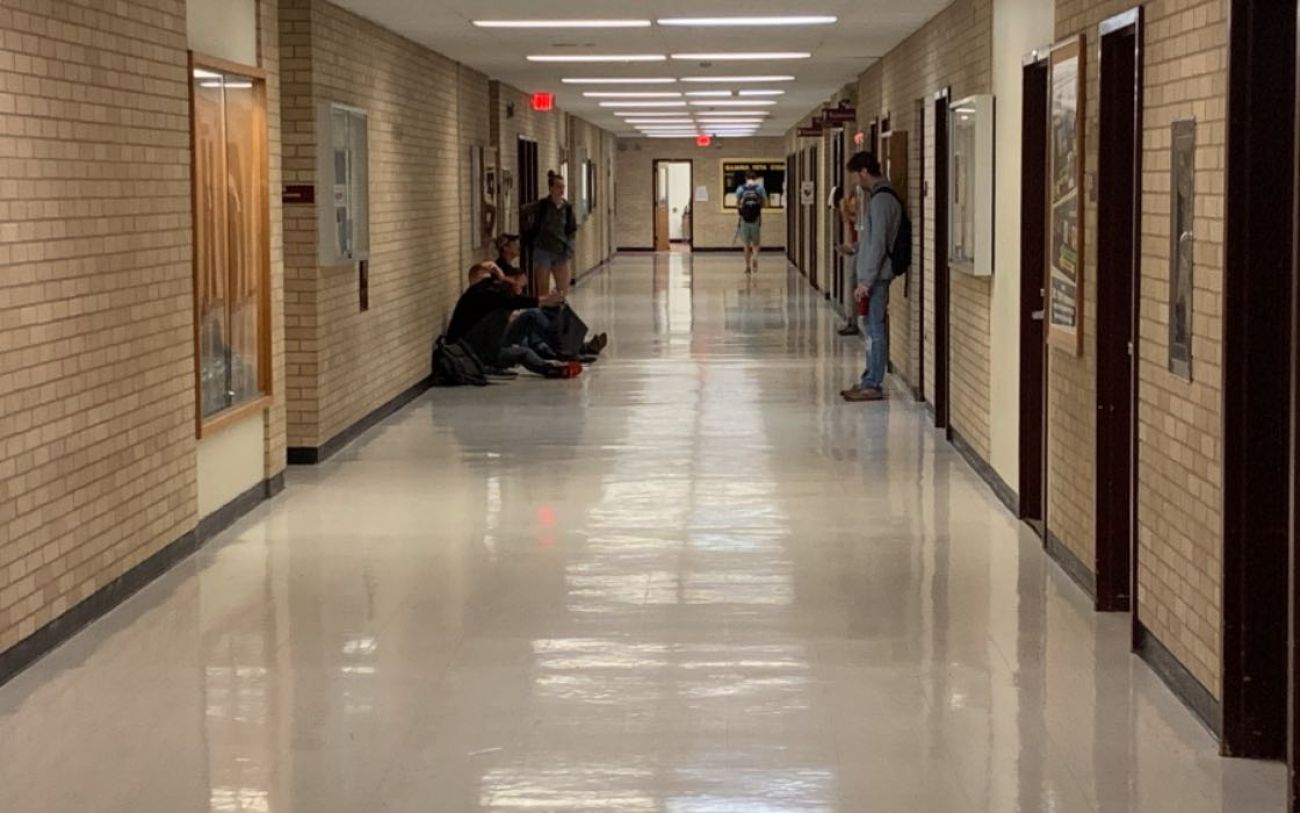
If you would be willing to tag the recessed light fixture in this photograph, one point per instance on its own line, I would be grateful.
(654, 94)
(596, 58)
(708, 93)
(726, 122)
(199, 73)
(562, 23)
(734, 103)
(718, 115)
(659, 121)
(644, 113)
(669, 135)
(747, 21)
(643, 104)
(761, 92)
(735, 56)
(610, 80)
(728, 80)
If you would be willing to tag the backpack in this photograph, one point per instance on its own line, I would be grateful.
(454, 365)
(568, 332)
(900, 253)
(751, 204)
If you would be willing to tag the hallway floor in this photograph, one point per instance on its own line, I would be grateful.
(690, 581)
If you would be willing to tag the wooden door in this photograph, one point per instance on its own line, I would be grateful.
(1033, 281)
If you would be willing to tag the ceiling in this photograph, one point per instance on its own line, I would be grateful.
(866, 30)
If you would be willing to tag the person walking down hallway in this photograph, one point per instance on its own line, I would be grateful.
(751, 198)
(551, 227)
(874, 269)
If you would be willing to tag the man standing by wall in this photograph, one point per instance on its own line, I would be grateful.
(873, 265)
(751, 199)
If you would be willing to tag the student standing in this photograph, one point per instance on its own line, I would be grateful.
(751, 199)
(877, 232)
(553, 226)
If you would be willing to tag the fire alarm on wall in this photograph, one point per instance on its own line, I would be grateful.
(543, 102)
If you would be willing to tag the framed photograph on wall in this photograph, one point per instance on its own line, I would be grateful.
(1066, 176)
(1182, 208)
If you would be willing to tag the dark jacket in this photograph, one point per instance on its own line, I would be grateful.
(551, 227)
(480, 300)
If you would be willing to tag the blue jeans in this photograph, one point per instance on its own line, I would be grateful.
(530, 328)
(877, 340)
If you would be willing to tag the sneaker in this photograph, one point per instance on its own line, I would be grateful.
(850, 329)
(564, 369)
(860, 396)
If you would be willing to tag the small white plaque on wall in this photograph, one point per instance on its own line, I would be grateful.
(701, 194)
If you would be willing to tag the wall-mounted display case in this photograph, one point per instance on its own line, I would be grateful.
(970, 186)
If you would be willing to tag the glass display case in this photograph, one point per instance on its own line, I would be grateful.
(970, 185)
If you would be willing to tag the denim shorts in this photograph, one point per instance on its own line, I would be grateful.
(545, 259)
(751, 234)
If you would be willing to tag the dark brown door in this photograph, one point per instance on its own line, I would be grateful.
(1118, 208)
(838, 233)
(919, 270)
(527, 172)
(1033, 271)
(1258, 233)
(942, 281)
(814, 230)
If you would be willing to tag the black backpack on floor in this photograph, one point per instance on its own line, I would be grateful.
(455, 365)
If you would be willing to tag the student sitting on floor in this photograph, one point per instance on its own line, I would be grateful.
(565, 333)
(483, 319)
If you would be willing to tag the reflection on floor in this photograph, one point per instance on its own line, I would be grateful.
(691, 580)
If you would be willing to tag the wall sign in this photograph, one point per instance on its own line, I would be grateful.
(807, 193)
(1182, 208)
(1065, 260)
(771, 173)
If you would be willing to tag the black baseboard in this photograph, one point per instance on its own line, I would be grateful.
(1005, 493)
(311, 455)
(1180, 681)
(45, 640)
(1073, 566)
(636, 249)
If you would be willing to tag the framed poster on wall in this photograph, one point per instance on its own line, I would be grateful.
(770, 172)
(1065, 175)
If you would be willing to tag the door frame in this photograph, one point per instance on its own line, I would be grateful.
(814, 227)
(1035, 132)
(923, 191)
(528, 171)
(654, 199)
(942, 271)
(1119, 210)
(1257, 233)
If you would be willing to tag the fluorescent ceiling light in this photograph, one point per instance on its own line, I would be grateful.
(562, 23)
(644, 113)
(654, 94)
(669, 135)
(725, 122)
(708, 93)
(761, 93)
(727, 80)
(730, 56)
(659, 121)
(610, 80)
(596, 58)
(199, 73)
(734, 135)
(643, 104)
(747, 21)
(734, 103)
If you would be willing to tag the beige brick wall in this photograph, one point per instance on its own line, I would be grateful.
(276, 424)
(514, 118)
(344, 362)
(714, 228)
(593, 240)
(97, 449)
(951, 51)
(1179, 443)
(474, 122)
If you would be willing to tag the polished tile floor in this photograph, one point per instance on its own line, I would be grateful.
(691, 581)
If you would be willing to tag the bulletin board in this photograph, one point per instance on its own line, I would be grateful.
(770, 171)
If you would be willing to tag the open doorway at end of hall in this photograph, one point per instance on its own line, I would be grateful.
(674, 226)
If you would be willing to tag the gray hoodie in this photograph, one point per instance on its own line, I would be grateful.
(877, 230)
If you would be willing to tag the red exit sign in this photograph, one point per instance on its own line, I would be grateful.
(703, 140)
(543, 102)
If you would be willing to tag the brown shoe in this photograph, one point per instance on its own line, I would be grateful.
(861, 396)
(850, 390)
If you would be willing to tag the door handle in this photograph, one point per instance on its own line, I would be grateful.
(1038, 316)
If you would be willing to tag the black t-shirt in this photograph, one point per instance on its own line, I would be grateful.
(479, 300)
